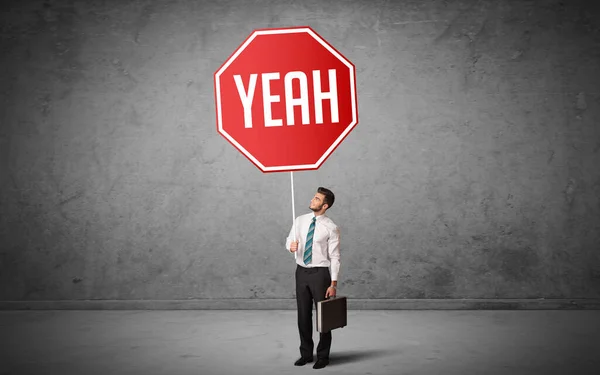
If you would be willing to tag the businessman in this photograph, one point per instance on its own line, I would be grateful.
(317, 248)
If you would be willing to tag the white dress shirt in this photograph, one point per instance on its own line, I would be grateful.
(325, 245)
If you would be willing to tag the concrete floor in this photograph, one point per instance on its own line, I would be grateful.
(266, 342)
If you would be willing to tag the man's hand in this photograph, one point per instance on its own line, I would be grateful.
(330, 292)
(294, 246)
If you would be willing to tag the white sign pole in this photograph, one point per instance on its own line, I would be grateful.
(293, 212)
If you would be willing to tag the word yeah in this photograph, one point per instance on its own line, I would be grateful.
(290, 102)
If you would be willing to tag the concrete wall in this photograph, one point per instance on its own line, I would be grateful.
(473, 172)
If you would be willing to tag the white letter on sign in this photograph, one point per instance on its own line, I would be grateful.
(291, 102)
(320, 96)
(246, 98)
(268, 99)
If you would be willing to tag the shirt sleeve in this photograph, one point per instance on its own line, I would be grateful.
(334, 252)
(290, 237)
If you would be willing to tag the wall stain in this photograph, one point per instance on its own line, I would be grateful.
(569, 192)
(514, 264)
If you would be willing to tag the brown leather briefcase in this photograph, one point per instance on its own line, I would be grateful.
(332, 313)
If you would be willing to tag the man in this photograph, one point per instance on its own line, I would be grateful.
(316, 247)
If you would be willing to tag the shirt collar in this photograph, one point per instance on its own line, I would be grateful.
(319, 218)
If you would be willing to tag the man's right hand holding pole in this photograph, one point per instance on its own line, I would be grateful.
(294, 246)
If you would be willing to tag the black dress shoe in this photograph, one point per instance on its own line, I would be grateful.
(302, 361)
(321, 363)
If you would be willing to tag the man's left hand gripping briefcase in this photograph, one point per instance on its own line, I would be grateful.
(331, 314)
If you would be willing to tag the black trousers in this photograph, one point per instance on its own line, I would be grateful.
(311, 286)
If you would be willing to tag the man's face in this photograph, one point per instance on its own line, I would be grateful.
(316, 204)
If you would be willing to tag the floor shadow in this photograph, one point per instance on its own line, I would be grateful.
(348, 356)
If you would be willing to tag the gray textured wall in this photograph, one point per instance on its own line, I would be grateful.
(473, 172)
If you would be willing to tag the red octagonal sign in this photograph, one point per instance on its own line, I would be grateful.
(286, 99)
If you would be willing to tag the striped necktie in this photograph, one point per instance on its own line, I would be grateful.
(309, 240)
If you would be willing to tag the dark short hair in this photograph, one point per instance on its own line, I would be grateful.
(329, 197)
